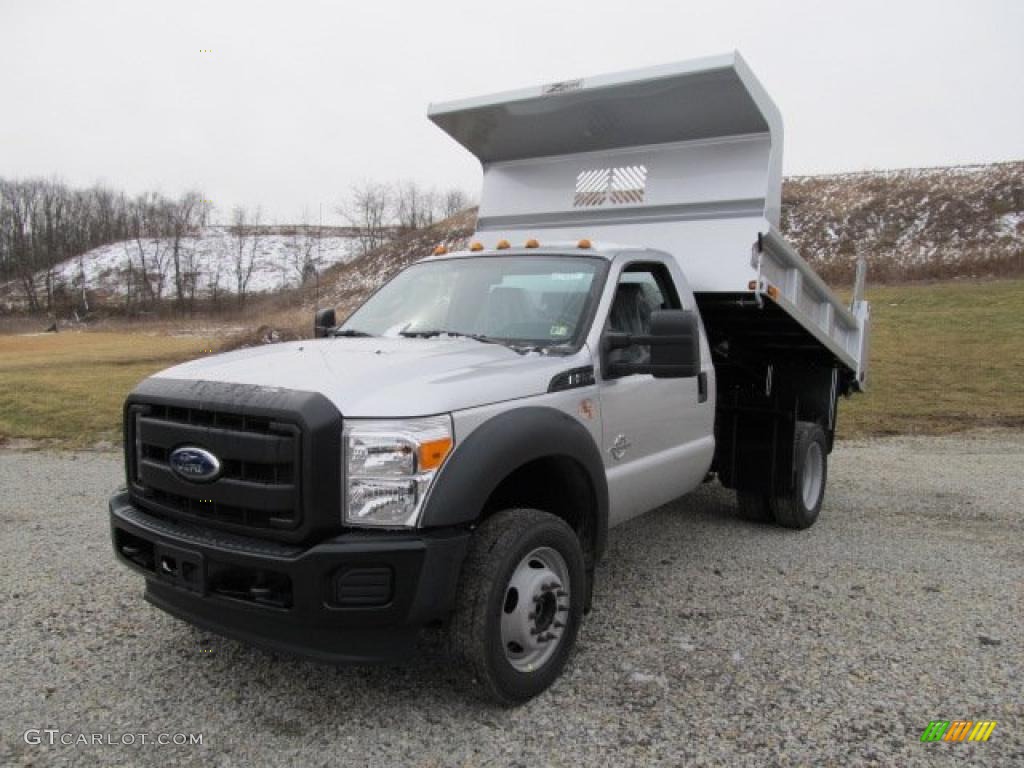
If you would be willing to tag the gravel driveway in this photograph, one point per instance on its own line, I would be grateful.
(712, 641)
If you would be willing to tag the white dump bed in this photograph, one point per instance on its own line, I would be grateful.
(685, 158)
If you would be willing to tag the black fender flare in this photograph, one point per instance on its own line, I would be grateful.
(503, 444)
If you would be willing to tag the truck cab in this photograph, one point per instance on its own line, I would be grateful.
(626, 324)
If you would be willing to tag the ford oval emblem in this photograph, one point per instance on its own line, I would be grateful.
(194, 464)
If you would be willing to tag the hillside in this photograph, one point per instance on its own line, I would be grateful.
(964, 221)
(932, 223)
(278, 260)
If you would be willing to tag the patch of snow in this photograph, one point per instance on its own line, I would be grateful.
(104, 268)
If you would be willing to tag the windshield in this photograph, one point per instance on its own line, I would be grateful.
(539, 301)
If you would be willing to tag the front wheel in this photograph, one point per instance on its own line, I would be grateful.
(519, 603)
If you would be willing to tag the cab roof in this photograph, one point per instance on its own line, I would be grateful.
(604, 250)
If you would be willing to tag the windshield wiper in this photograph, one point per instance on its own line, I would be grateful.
(350, 333)
(433, 332)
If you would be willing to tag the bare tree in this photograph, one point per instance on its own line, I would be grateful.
(303, 250)
(149, 222)
(82, 284)
(185, 217)
(368, 211)
(20, 200)
(215, 255)
(189, 260)
(453, 201)
(49, 231)
(130, 283)
(244, 232)
(144, 224)
(413, 206)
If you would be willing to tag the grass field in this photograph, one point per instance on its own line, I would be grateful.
(944, 357)
(68, 388)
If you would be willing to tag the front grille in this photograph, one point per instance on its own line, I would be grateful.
(259, 485)
(269, 473)
(279, 452)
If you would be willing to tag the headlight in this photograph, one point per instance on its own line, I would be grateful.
(390, 466)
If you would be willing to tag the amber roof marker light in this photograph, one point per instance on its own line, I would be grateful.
(532, 243)
(440, 250)
(584, 243)
(476, 246)
(503, 244)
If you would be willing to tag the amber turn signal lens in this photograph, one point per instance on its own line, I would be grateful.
(531, 243)
(584, 243)
(503, 244)
(476, 246)
(433, 453)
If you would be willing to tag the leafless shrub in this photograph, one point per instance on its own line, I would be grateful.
(245, 235)
(369, 210)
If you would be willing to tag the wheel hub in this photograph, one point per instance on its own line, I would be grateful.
(535, 609)
(544, 614)
(813, 475)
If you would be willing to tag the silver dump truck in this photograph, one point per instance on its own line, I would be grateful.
(627, 324)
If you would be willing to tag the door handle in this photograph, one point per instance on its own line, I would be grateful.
(702, 387)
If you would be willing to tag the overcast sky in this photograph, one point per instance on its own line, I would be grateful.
(297, 100)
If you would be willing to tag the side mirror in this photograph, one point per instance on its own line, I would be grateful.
(324, 321)
(675, 347)
(676, 353)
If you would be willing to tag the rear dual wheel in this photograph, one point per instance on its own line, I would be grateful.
(800, 507)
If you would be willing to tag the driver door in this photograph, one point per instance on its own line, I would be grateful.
(657, 433)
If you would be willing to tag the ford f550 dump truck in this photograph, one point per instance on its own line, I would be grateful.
(627, 323)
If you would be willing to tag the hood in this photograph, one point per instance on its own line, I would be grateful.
(386, 377)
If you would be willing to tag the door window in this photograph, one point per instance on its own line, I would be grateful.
(642, 289)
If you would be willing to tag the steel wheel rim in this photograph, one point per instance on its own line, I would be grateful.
(813, 475)
(535, 609)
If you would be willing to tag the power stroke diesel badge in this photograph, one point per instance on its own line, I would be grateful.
(194, 464)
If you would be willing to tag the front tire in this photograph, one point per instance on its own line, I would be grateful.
(519, 603)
